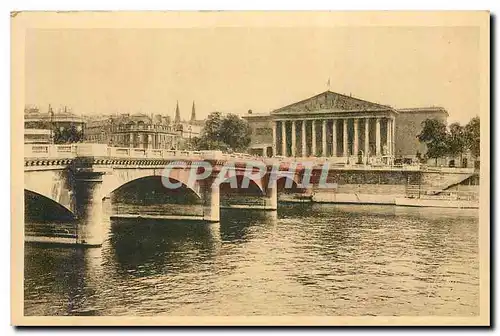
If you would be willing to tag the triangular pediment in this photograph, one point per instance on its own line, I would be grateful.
(331, 102)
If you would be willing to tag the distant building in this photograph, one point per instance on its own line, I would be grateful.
(261, 133)
(135, 131)
(49, 122)
(339, 126)
(37, 136)
(187, 130)
(409, 125)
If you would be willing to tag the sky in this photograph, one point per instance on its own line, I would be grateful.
(107, 71)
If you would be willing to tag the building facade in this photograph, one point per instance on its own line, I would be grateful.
(135, 131)
(261, 133)
(37, 136)
(409, 125)
(42, 126)
(341, 128)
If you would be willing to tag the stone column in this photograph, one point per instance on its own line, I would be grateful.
(334, 138)
(150, 141)
(377, 138)
(304, 143)
(367, 136)
(323, 138)
(393, 136)
(389, 137)
(294, 140)
(283, 138)
(344, 134)
(274, 138)
(88, 208)
(141, 141)
(131, 142)
(313, 133)
(356, 137)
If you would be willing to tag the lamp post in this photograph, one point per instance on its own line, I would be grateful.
(52, 135)
(189, 129)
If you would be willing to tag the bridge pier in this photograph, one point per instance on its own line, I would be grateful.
(271, 196)
(89, 208)
(210, 193)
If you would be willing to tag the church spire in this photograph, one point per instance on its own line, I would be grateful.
(193, 113)
(177, 114)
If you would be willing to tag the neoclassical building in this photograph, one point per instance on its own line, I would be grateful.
(135, 131)
(334, 125)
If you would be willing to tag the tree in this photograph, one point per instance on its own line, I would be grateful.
(235, 133)
(472, 135)
(67, 135)
(456, 139)
(226, 133)
(434, 135)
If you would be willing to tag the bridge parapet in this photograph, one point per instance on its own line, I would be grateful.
(41, 151)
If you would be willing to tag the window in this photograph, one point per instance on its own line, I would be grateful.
(263, 131)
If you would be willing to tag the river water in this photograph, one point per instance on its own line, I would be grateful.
(309, 259)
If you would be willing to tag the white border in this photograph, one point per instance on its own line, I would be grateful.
(8, 6)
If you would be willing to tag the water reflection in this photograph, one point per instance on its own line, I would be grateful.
(67, 280)
(148, 247)
(242, 225)
(307, 259)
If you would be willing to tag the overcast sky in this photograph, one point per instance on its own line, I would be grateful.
(237, 69)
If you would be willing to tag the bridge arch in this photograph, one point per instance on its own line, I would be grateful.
(44, 207)
(154, 184)
(122, 178)
(255, 187)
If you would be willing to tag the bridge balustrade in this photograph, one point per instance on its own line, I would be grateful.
(138, 152)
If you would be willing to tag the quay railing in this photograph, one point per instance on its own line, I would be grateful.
(427, 192)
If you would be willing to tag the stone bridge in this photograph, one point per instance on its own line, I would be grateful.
(76, 179)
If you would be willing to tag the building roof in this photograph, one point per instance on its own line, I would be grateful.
(254, 115)
(423, 109)
(329, 101)
(57, 117)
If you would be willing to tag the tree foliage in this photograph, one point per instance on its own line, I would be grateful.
(472, 136)
(434, 135)
(226, 133)
(67, 135)
(454, 140)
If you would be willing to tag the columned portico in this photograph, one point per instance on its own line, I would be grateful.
(353, 138)
(338, 121)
